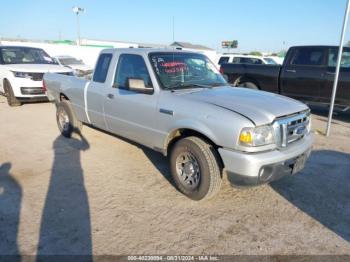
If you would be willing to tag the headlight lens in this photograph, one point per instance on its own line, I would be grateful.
(257, 136)
(21, 74)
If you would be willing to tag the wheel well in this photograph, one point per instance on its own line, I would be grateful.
(185, 132)
(63, 97)
(244, 80)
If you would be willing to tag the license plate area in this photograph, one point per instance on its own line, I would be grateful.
(299, 163)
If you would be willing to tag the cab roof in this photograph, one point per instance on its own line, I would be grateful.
(145, 51)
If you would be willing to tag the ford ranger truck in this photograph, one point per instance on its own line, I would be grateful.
(176, 102)
(21, 73)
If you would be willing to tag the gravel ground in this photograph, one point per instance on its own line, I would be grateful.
(103, 195)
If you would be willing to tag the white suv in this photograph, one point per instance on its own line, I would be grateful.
(244, 59)
(21, 73)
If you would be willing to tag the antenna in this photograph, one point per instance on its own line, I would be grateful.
(173, 28)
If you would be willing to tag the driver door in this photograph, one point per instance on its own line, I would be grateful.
(131, 114)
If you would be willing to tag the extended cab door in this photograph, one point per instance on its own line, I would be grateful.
(302, 74)
(343, 89)
(128, 113)
(97, 90)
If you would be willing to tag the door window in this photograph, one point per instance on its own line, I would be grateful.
(308, 56)
(333, 57)
(131, 67)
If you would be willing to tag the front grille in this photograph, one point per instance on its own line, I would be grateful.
(291, 128)
(39, 76)
(36, 76)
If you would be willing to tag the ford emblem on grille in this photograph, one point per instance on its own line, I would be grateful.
(300, 130)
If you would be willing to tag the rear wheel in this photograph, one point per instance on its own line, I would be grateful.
(195, 168)
(11, 99)
(67, 122)
(249, 85)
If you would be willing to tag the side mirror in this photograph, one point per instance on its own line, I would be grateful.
(138, 86)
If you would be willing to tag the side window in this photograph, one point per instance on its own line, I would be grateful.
(101, 69)
(333, 57)
(131, 67)
(248, 60)
(308, 56)
(236, 60)
(224, 60)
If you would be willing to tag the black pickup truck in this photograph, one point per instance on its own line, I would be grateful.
(307, 74)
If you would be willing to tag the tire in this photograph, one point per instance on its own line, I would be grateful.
(67, 122)
(249, 85)
(11, 99)
(206, 162)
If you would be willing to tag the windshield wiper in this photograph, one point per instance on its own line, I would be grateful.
(185, 86)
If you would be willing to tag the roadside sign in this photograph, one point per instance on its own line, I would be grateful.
(229, 44)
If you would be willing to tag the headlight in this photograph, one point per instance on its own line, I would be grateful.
(257, 136)
(309, 125)
(21, 74)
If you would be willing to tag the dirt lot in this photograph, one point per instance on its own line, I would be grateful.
(103, 195)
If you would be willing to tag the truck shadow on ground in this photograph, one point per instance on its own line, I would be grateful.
(10, 205)
(159, 161)
(322, 190)
(65, 225)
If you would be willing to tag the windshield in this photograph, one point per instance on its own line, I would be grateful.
(70, 61)
(270, 61)
(25, 55)
(185, 70)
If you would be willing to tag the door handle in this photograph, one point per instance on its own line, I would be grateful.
(110, 96)
(291, 71)
(330, 73)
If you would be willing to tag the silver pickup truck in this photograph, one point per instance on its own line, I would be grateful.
(177, 103)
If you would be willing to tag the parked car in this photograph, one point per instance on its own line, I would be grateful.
(274, 60)
(78, 66)
(177, 103)
(21, 73)
(245, 59)
(307, 74)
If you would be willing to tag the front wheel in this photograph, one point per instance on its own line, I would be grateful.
(67, 122)
(195, 168)
(11, 99)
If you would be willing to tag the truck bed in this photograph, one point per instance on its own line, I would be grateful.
(71, 86)
(268, 75)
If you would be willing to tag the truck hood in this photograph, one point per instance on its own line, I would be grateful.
(37, 68)
(258, 106)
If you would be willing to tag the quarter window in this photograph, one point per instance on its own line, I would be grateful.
(102, 68)
(224, 60)
(131, 67)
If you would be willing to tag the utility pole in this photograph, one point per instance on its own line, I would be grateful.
(337, 70)
(77, 10)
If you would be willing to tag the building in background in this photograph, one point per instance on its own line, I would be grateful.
(89, 49)
(210, 53)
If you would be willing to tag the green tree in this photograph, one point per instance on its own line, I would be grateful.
(256, 53)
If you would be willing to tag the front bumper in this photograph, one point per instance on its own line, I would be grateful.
(251, 169)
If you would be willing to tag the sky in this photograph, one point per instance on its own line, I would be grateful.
(264, 25)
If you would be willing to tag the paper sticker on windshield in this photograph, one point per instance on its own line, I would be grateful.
(174, 67)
